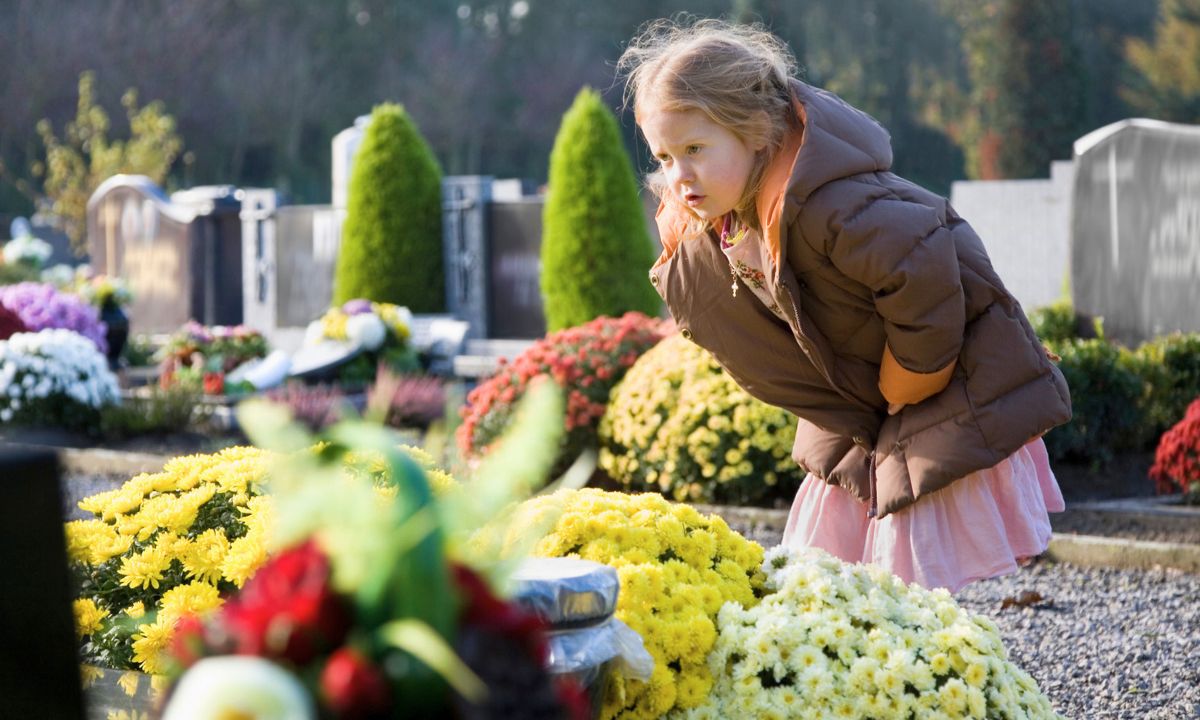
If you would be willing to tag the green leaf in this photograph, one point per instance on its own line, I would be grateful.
(420, 640)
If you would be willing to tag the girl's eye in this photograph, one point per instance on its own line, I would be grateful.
(693, 149)
(662, 159)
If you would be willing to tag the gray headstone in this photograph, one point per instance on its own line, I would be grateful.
(1135, 231)
(465, 201)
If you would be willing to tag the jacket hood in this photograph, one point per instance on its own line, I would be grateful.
(839, 141)
(835, 140)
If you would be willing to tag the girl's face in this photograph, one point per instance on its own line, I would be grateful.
(706, 166)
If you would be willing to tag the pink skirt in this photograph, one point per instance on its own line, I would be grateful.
(978, 527)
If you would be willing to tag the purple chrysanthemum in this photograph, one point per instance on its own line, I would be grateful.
(358, 306)
(41, 306)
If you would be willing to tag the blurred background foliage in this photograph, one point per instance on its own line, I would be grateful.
(257, 89)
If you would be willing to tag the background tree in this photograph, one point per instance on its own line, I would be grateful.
(595, 246)
(1040, 94)
(1166, 80)
(85, 157)
(391, 247)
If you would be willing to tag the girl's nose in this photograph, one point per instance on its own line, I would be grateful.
(683, 172)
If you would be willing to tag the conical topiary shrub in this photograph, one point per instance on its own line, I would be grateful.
(392, 238)
(596, 251)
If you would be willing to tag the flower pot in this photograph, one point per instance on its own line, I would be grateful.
(118, 331)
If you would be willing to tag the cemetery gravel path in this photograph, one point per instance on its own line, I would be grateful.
(1106, 644)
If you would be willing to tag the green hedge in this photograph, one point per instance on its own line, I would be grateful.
(1124, 399)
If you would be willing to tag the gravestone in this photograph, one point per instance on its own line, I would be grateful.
(1135, 230)
(216, 236)
(465, 201)
(307, 239)
(136, 233)
(181, 256)
(344, 145)
(515, 295)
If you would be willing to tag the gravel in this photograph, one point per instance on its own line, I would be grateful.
(1105, 644)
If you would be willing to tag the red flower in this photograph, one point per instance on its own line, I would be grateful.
(189, 644)
(214, 383)
(10, 323)
(288, 610)
(483, 609)
(352, 687)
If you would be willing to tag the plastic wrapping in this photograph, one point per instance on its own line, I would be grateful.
(589, 648)
(567, 591)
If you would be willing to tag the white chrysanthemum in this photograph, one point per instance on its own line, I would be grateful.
(366, 330)
(838, 640)
(53, 363)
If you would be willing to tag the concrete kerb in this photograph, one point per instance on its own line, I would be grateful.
(98, 461)
(1088, 550)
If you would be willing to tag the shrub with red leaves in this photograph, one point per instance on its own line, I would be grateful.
(1177, 460)
(10, 323)
(586, 361)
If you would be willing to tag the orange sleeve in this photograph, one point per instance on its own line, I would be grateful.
(905, 387)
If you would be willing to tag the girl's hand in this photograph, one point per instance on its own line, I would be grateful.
(894, 408)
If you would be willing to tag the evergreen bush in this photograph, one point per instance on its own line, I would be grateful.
(392, 239)
(1170, 367)
(1106, 399)
(596, 250)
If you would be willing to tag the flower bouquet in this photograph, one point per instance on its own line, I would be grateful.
(40, 307)
(104, 290)
(371, 604)
(54, 378)
(201, 356)
(372, 333)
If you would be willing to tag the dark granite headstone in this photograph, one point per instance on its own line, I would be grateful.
(515, 295)
(1135, 230)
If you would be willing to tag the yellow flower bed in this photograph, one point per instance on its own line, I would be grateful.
(834, 640)
(172, 543)
(164, 545)
(678, 424)
(676, 567)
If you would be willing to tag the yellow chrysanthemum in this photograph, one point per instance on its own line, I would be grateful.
(150, 643)
(670, 597)
(197, 598)
(145, 569)
(204, 557)
(87, 616)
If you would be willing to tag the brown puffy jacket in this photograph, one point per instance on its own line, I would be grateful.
(869, 269)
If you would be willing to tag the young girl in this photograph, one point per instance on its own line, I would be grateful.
(861, 302)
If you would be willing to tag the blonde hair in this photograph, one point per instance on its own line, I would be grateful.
(737, 75)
